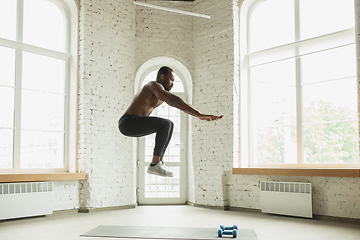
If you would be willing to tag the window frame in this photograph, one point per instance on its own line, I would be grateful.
(246, 56)
(70, 56)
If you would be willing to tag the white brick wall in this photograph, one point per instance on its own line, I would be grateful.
(66, 195)
(213, 94)
(107, 53)
(162, 33)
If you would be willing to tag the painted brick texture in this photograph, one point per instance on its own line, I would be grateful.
(162, 33)
(213, 94)
(107, 52)
(66, 195)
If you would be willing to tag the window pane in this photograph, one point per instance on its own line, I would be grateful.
(178, 85)
(332, 143)
(273, 112)
(273, 75)
(162, 111)
(160, 187)
(149, 151)
(6, 107)
(7, 66)
(43, 73)
(320, 17)
(44, 24)
(275, 145)
(8, 19)
(273, 95)
(274, 108)
(150, 77)
(42, 149)
(272, 24)
(330, 101)
(334, 102)
(328, 65)
(174, 111)
(6, 148)
(42, 111)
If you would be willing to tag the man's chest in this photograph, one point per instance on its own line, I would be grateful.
(154, 102)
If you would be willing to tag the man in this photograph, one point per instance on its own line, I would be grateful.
(136, 121)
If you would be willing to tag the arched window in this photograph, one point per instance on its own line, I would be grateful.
(299, 71)
(154, 189)
(35, 84)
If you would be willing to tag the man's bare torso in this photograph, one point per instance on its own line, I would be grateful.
(144, 102)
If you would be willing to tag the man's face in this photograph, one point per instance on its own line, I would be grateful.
(168, 81)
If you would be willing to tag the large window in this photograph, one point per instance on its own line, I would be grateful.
(34, 63)
(302, 91)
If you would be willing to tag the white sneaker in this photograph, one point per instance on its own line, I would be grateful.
(159, 169)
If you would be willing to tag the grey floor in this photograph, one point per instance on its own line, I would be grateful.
(69, 226)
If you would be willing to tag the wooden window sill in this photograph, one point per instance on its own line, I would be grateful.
(298, 172)
(40, 177)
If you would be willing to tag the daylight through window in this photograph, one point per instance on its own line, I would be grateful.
(302, 84)
(34, 65)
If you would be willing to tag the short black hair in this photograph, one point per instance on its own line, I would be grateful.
(163, 70)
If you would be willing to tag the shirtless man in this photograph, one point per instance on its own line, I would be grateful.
(136, 121)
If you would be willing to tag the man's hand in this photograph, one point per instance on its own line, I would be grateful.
(210, 117)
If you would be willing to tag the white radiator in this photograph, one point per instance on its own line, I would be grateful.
(286, 198)
(26, 199)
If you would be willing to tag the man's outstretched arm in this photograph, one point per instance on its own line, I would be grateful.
(177, 102)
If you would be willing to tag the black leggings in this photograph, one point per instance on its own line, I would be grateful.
(137, 126)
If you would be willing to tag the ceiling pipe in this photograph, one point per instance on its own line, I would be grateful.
(172, 10)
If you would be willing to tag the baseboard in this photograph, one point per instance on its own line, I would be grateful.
(251, 210)
(336, 219)
(88, 210)
(66, 211)
(23, 218)
(241, 209)
(207, 206)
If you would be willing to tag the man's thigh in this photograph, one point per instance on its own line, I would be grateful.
(141, 126)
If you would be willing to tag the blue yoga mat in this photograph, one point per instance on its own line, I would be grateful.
(165, 233)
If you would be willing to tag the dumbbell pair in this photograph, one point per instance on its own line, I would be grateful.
(222, 231)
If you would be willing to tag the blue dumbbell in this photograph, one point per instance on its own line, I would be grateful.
(228, 228)
(222, 232)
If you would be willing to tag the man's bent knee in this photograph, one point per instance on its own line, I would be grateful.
(168, 124)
